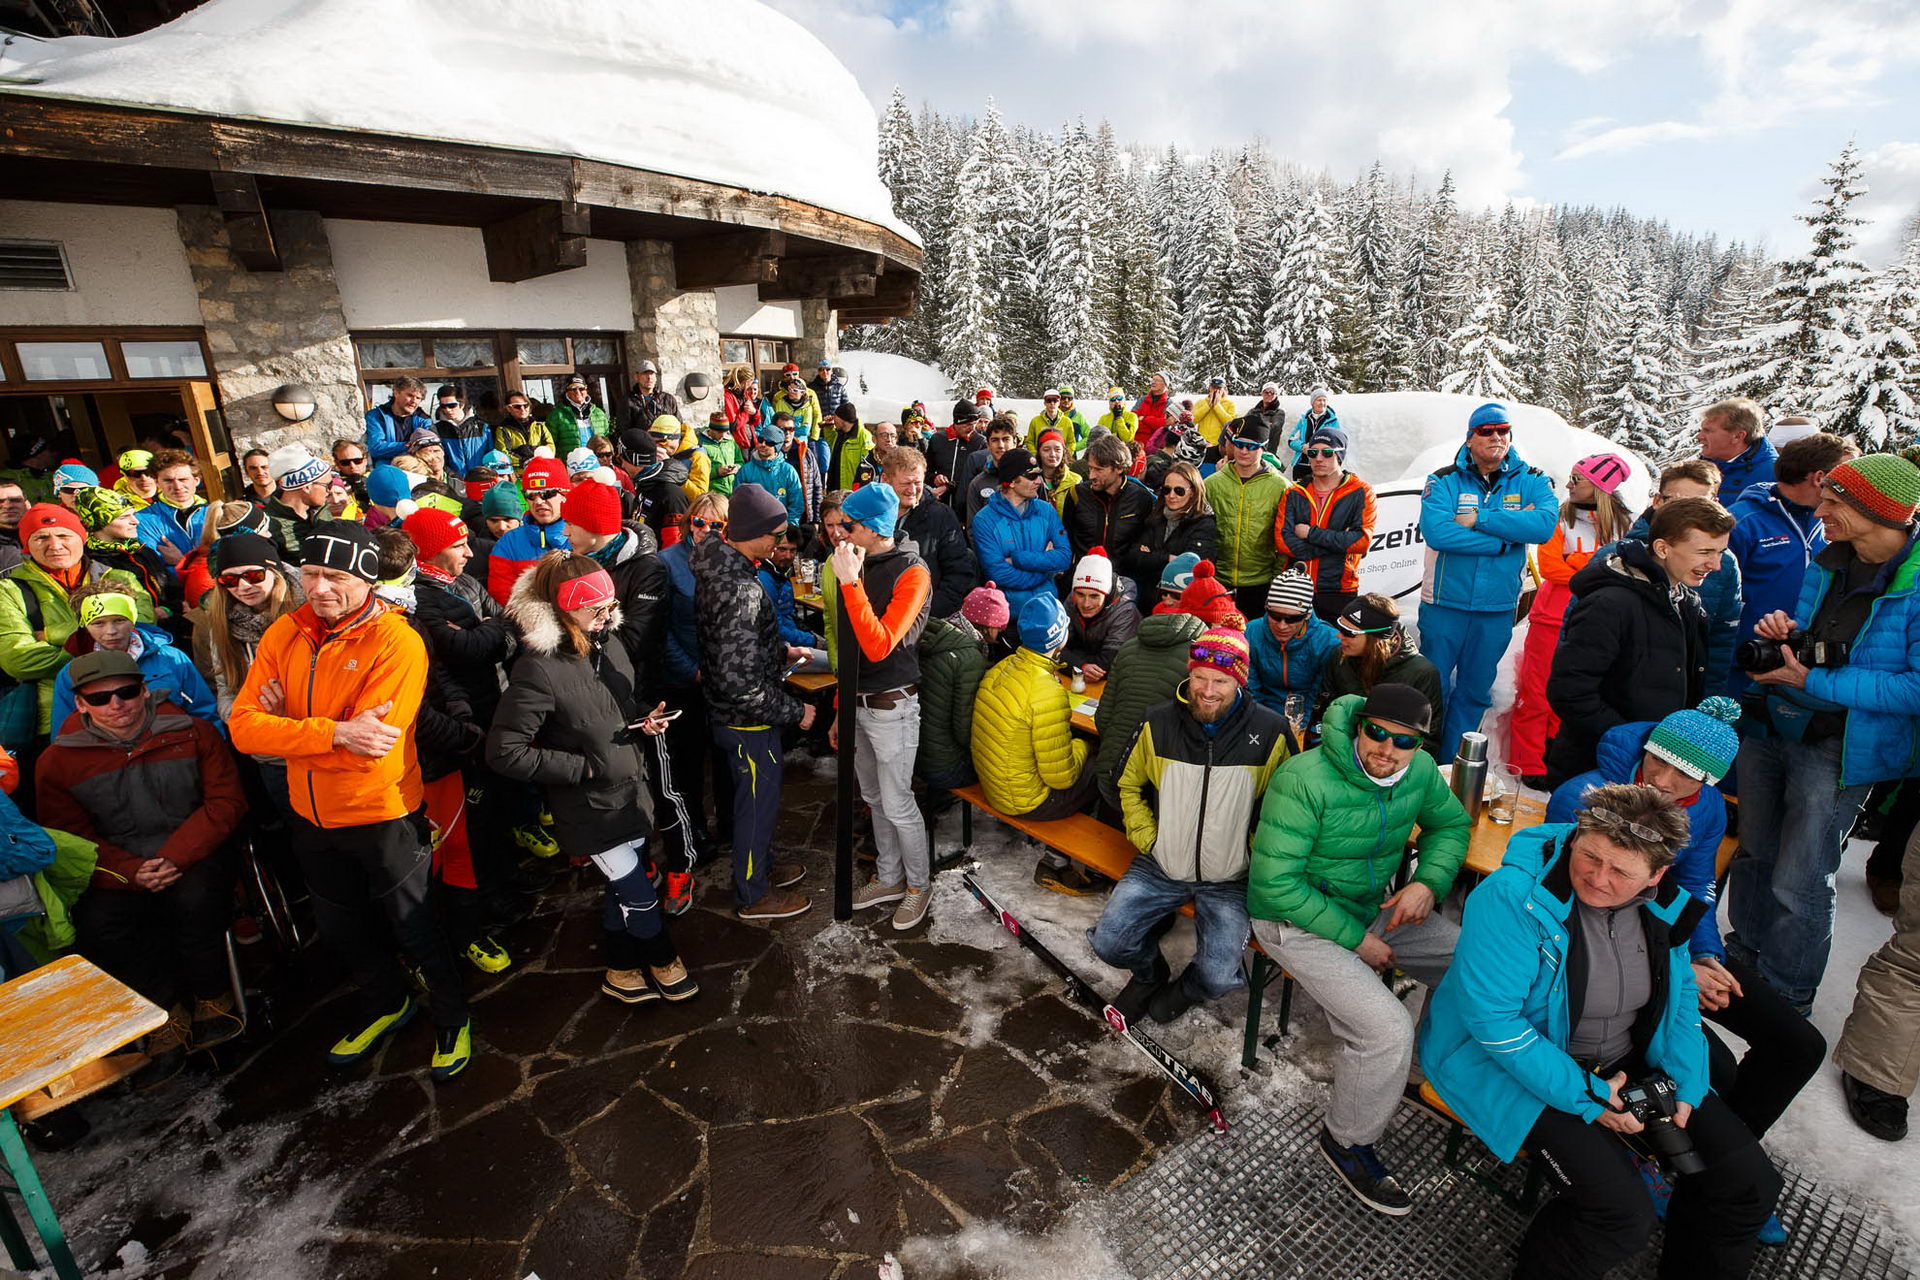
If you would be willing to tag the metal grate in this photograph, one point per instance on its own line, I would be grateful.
(33, 264)
(1260, 1203)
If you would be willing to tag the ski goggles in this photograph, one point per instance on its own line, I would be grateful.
(1216, 657)
(234, 577)
(1378, 733)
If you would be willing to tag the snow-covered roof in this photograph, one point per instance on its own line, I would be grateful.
(725, 91)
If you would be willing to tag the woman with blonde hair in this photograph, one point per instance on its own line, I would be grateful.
(571, 721)
(1592, 516)
(1181, 521)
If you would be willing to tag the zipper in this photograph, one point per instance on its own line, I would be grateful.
(1200, 820)
(313, 669)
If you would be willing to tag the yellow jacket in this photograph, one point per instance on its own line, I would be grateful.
(1210, 419)
(699, 465)
(1023, 743)
(1058, 490)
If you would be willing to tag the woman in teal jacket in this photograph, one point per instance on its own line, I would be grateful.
(1543, 957)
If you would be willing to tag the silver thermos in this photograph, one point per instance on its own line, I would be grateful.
(1470, 773)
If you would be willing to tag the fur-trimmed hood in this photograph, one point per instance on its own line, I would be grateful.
(539, 621)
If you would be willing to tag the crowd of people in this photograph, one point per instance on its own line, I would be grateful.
(449, 649)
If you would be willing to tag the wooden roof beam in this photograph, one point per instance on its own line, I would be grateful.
(833, 275)
(543, 240)
(737, 257)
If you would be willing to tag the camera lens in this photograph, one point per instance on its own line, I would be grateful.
(1756, 656)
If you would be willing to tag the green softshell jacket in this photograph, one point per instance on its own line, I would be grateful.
(35, 656)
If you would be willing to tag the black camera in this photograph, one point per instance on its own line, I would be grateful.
(1756, 656)
(1652, 1102)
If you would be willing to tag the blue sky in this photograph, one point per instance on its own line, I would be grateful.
(1713, 116)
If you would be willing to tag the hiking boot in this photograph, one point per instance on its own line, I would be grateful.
(1070, 879)
(166, 1051)
(912, 909)
(628, 986)
(536, 841)
(1882, 1114)
(1133, 998)
(786, 874)
(875, 894)
(354, 1047)
(1366, 1176)
(1171, 1000)
(215, 1022)
(679, 897)
(452, 1050)
(487, 955)
(1885, 894)
(781, 904)
(673, 982)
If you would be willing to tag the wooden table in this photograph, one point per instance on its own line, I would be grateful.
(1489, 842)
(811, 682)
(808, 595)
(1083, 720)
(55, 1021)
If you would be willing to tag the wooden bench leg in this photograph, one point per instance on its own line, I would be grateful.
(39, 1208)
(1256, 991)
(1286, 1001)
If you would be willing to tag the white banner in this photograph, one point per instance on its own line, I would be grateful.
(1397, 557)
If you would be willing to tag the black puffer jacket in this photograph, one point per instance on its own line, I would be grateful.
(563, 725)
(741, 653)
(641, 585)
(1160, 540)
(640, 409)
(1112, 520)
(466, 637)
(935, 531)
(1633, 647)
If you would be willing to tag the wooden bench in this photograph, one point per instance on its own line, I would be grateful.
(1457, 1135)
(1107, 850)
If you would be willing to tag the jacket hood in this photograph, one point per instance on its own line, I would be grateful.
(1169, 630)
(942, 636)
(1630, 566)
(1336, 737)
(539, 621)
(1621, 747)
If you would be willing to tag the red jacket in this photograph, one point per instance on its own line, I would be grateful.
(174, 793)
(1153, 413)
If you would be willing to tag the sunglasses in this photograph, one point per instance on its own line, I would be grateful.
(1287, 619)
(137, 473)
(702, 522)
(1175, 490)
(518, 404)
(1493, 431)
(75, 488)
(124, 692)
(234, 577)
(449, 404)
(1618, 823)
(1404, 741)
(1050, 399)
(1238, 443)
(1034, 474)
(1322, 453)
(1214, 657)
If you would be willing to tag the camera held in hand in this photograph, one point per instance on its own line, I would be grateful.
(1653, 1102)
(1757, 656)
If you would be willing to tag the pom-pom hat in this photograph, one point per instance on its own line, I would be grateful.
(1094, 572)
(1224, 649)
(1700, 742)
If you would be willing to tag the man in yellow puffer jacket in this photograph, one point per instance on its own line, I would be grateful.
(1029, 762)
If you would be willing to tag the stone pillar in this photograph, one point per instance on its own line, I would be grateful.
(679, 330)
(819, 335)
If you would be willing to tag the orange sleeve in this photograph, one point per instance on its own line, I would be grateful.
(879, 636)
(1558, 565)
(9, 771)
(1369, 513)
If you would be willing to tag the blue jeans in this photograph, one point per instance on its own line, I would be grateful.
(1465, 644)
(1141, 910)
(1794, 816)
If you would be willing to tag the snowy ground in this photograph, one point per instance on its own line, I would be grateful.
(1816, 1133)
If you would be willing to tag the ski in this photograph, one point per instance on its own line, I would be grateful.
(1191, 1082)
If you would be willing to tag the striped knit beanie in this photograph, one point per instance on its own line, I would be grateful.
(1291, 592)
(1883, 487)
(1700, 742)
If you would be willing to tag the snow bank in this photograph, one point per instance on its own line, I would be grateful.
(881, 385)
(725, 91)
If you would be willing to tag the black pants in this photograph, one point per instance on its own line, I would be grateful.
(494, 808)
(369, 886)
(169, 945)
(690, 740)
(1604, 1214)
(1783, 1052)
(673, 816)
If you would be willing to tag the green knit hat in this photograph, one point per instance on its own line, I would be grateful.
(1701, 743)
(98, 508)
(503, 502)
(1883, 487)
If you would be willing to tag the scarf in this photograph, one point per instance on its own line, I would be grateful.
(245, 627)
(126, 546)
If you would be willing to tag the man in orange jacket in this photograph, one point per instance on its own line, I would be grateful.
(335, 688)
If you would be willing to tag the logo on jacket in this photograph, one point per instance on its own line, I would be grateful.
(353, 664)
(1253, 739)
(1512, 501)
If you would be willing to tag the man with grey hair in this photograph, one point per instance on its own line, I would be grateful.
(391, 425)
(1733, 437)
(648, 399)
(1110, 510)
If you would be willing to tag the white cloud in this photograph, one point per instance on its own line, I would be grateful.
(1892, 201)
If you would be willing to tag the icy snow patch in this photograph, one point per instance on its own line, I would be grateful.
(844, 947)
(1071, 1251)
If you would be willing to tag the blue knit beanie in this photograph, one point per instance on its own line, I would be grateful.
(387, 486)
(1490, 414)
(1701, 742)
(1043, 624)
(1179, 571)
(875, 505)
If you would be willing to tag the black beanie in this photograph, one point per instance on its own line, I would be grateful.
(343, 545)
(245, 548)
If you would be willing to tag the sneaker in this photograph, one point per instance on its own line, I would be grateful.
(1070, 879)
(673, 982)
(452, 1050)
(215, 1022)
(1659, 1188)
(875, 894)
(679, 898)
(1882, 1114)
(787, 874)
(166, 1051)
(487, 955)
(546, 819)
(1773, 1231)
(536, 841)
(628, 986)
(778, 905)
(912, 909)
(1366, 1176)
(1171, 1001)
(358, 1045)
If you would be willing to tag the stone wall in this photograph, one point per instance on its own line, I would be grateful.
(265, 329)
(819, 335)
(679, 330)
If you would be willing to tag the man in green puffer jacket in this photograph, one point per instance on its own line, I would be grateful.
(1147, 671)
(1333, 830)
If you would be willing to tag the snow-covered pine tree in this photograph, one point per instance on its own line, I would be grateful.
(1481, 357)
(968, 323)
(1628, 400)
(1428, 282)
(905, 170)
(1074, 348)
(1815, 295)
(1205, 269)
(1732, 342)
(1871, 392)
(1256, 216)
(1299, 349)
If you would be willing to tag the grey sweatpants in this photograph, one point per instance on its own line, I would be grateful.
(1374, 1029)
(1881, 1043)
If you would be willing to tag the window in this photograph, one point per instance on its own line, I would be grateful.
(64, 361)
(735, 351)
(163, 359)
(538, 351)
(392, 355)
(765, 356)
(483, 365)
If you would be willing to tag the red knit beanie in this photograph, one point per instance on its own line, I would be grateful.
(594, 504)
(1207, 598)
(433, 531)
(49, 515)
(544, 475)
